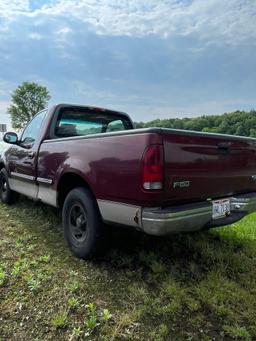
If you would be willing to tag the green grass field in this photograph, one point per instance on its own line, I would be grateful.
(200, 286)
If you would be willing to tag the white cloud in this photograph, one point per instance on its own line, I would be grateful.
(64, 31)
(212, 21)
(35, 36)
(62, 34)
(9, 8)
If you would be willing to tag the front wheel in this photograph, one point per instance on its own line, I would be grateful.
(82, 223)
(7, 196)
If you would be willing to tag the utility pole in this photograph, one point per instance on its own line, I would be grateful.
(3, 129)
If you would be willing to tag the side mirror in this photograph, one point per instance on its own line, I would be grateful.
(11, 138)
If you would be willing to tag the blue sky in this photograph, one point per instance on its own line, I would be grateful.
(152, 59)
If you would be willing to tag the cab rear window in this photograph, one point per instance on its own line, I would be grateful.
(82, 122)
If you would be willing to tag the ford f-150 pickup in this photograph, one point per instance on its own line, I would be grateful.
(92, 164)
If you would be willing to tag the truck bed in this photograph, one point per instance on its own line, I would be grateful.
(197, 166)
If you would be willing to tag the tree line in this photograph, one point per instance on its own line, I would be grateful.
(30, 97)
(234, 123)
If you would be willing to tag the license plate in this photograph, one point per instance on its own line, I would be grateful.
(220, 208)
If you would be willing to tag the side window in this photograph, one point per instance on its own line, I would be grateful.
(32, 131)
(115, 126)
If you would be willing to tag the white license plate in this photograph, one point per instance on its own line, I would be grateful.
(220, 208)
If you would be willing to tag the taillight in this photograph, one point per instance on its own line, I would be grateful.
(153, 168)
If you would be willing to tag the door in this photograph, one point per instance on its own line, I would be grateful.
(22, 158)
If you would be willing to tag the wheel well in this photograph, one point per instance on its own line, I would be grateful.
(1, 165)
(68, 182)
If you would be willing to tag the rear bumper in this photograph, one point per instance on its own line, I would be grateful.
(194, 217)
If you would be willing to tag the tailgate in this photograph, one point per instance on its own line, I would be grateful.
(199, 166)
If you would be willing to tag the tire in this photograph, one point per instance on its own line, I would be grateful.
(83, 228)
(7, 196)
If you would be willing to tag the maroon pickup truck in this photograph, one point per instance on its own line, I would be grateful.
(97, 168)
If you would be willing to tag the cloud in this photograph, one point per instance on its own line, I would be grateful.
(149, 58)
(211, 21)
(14, 7)
(35, 36)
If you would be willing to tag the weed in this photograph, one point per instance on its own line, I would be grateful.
(2, 276)
(60, 320)
(72, 286)
(160, 333)
(19, 266)
(73, 303)
(76, 332)
(45, 258)
(106, 316)
(158, 267)
(33, 283)
(91, 323)
(237, 332)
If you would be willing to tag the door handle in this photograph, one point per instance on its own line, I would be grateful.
(31, 155)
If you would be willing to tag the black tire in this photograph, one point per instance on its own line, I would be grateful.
(7, 196)
(83, 228)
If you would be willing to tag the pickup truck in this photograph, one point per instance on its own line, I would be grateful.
(92, 164)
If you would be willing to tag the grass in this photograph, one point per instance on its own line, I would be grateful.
(199, 286)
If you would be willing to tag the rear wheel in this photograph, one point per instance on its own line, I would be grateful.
(7, 196)
(82, 223)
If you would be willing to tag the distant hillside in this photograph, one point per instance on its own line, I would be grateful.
(234, 123)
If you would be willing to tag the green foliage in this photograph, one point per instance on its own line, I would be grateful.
(92, 322)
(27, 100)
(77, 331)
(235, 123)
(72, 286)
(160, 333)
(60, 320)
(237, 332)
(2, 276)
(33, 283)
(106, 316)
(73, 303)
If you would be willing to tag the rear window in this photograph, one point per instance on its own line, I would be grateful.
(82, 122)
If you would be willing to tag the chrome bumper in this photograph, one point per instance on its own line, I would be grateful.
(194, 217)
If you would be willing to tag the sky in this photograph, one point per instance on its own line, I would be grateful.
(151, 59)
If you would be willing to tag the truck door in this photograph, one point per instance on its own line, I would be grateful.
(22, 158)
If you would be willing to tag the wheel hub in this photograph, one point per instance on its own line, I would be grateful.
(78, 222)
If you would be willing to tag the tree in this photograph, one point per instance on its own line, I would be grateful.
(235, 123)
(27, 100)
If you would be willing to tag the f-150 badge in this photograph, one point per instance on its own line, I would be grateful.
(181, 184)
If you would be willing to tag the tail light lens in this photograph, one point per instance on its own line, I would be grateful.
(153, 168)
